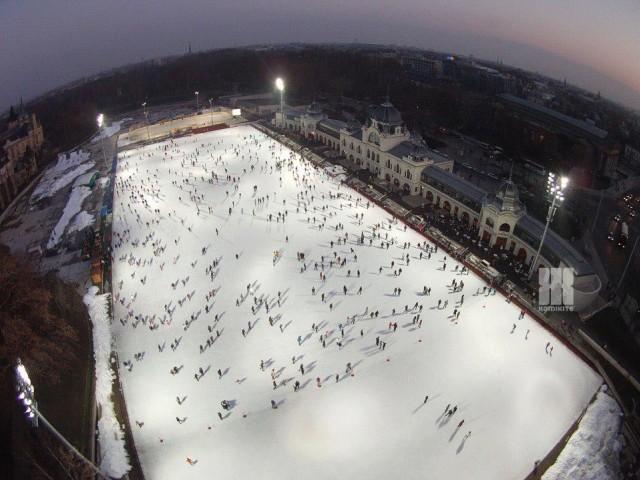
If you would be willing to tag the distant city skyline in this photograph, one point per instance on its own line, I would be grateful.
(49, 43)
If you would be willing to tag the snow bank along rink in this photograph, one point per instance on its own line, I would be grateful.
(209, 283)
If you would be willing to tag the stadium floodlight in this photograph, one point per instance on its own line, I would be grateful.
(280, 86)
(100, 120)
(211, 110)
(27, 396)
(197, 100)
(555, 188)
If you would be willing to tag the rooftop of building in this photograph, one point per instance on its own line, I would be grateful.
(335, 125)
(506, 198)
(574, 122)
(454, 181)
(388, 114)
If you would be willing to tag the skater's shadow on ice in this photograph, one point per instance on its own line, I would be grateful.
(461, 446)
(431, 399)
(306, 382)
(372, 350)
(311, 366)
(443, 419)
(454, 434)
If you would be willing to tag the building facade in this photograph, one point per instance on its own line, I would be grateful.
(21, 142)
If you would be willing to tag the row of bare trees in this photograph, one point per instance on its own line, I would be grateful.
(43, 322)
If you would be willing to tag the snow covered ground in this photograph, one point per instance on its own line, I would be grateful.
(73, 207)
(592, 451)
(110, 130)
(114, 460)
(66, 170)
(180, 235)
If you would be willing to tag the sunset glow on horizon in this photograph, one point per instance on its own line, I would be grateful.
(593, 45)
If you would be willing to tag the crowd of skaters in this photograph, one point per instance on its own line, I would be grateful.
(190, 173)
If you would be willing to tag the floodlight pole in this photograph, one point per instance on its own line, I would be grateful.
(100, 123)
(593, 227)
(146, 119)
(211, 110)
(627, 266)
(23, 385)
(197, 101)
(280, 86)
(556, 188)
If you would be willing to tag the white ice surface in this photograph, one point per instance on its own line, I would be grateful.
(592, 451)
(517, 400)
(65, 171)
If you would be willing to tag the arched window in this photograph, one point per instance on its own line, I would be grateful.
(505, 227)
(388, 164)
(374, 138)
(489, 222)
(359, 149)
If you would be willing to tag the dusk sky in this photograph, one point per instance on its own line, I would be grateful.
(46, 43)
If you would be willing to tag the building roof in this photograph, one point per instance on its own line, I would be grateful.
(387, 113)
(295, 111)
(357, 134)
(455, 182)
(558, 245)
(506, 198)
(335, 125)
(314, 109)
(574, 122)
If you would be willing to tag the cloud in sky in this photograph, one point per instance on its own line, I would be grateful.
(47, 43)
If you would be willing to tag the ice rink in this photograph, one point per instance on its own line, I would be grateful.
(516, 387)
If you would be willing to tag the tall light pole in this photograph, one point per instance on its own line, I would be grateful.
(555, 187)
(26, 395)
(280, 86)
(146, 119)
(197, 101)
(211, 110)
(100, 121)
(627, 266)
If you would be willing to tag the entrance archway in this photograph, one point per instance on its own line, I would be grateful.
(465, 217)
(429, 196)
